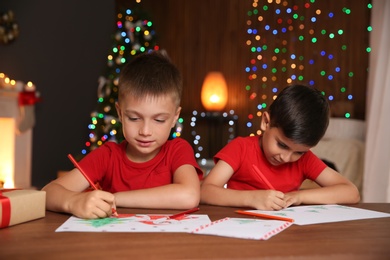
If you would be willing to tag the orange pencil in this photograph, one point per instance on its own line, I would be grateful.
(261, 215)
(87, 178)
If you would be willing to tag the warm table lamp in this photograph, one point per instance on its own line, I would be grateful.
(214, 92)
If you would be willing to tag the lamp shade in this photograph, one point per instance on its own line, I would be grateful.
(214, 92)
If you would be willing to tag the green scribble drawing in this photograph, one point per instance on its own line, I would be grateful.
(281, 214)
(316, 209)
(245, 221)
(313, 211)
(320, 207)
(99, 222)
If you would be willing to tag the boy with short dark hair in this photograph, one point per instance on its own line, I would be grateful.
(265, 172)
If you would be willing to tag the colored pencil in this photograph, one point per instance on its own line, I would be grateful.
(114, 212)
(262, 177)
(82, 171)
(261, 215)
(183, 213)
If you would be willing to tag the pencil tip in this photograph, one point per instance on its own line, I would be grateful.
(114, 212)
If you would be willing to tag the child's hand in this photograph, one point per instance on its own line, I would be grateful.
(93, 204)
(292, 198)
(268, 200)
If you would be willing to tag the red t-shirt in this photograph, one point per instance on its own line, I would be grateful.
(242, 152)
(109, 166)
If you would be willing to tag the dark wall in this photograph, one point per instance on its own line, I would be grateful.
(62, 48)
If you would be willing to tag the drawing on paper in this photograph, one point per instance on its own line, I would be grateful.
(315, 214)
(134, 223)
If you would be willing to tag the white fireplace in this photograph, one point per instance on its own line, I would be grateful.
(15, 142)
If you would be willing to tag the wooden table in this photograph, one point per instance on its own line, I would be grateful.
(358, 239)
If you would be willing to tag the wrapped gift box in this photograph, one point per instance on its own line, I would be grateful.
(18, 206)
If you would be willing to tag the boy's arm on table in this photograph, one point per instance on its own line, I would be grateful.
(213, 192)
(183, 193)
(334, 189)
(67, 194)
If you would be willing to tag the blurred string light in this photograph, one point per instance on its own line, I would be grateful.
(197, 141)
(280, 33)
(177, 130)
(134, 35)
(9, 28)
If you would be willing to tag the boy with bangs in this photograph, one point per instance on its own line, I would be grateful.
(146, 170)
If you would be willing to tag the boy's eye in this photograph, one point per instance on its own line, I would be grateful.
(133, 118)
(160, 120)
(283, 146)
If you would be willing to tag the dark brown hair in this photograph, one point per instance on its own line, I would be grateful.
(302, 113)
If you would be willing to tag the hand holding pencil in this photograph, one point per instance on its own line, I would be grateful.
(113, 210)
(275, 199)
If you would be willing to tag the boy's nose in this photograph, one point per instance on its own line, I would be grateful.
(286, 157)
(145, 130)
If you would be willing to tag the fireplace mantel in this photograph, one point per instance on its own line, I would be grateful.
(21, 150)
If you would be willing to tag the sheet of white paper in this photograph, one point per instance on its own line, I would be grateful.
(246, 228)
(135, 223)
(306, 215)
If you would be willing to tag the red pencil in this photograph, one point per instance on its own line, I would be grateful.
(183, 213)
(82, 171)
(262, 177)
(261, 215)
(88, 179)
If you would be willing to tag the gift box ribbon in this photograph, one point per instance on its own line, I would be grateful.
(27, 98)
(6, 209)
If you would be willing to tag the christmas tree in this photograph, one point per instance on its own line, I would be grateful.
(134, 35)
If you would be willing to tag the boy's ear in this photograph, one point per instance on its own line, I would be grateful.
(118, 111)
(265, 121)
(177, 114)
